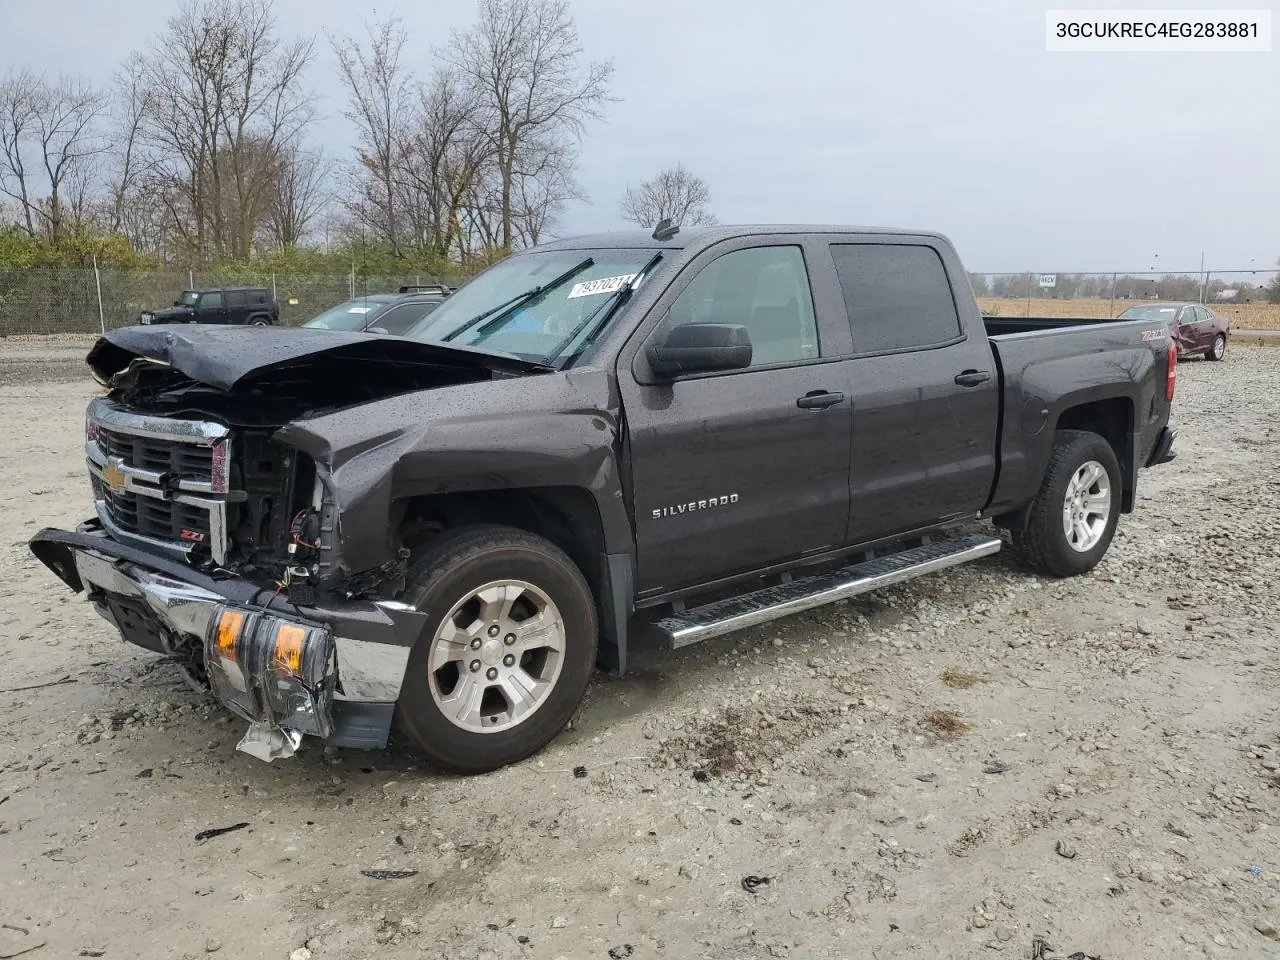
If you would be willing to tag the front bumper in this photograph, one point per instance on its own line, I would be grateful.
(341, 687)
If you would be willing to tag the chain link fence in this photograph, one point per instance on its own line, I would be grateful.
(88, 301)
(1249, 299)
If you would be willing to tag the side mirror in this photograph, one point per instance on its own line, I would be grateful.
(699, 348)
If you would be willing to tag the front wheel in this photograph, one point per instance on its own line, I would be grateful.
(1219, 348)
(506, 654)
(259, 322)
(1074, 515)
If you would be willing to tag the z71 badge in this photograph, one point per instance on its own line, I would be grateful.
(694, 505)
(1153, 334)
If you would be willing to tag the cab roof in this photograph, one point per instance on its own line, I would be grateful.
(705, 236)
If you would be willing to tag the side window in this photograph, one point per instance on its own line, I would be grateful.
(897, 295)
(236, 298)
(211, 301)
(1201, 314)
(766, 290)
(400, 318)
(1187, 315)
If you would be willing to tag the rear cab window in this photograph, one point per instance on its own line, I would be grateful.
(897, 295)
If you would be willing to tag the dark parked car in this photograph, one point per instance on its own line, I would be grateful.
(1196, 329)
(695, 432)
(387, 313)
(255, 306)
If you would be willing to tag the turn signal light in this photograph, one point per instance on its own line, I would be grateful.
(1171, 375)
(226, 635)
(286, 652)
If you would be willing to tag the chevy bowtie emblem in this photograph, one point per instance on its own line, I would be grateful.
(113, 477)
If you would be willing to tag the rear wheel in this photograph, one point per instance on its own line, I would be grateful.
(507, 652)
(1218, 349)
(259, 322)
(1074, 515)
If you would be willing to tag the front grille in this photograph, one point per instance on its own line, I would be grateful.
(162, 456)
(163, 479)
(155, 519)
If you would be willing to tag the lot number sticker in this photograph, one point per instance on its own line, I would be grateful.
(590, 288)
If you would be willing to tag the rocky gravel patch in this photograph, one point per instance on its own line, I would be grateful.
(981, 763)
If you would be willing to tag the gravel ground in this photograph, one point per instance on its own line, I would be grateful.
(981, 761)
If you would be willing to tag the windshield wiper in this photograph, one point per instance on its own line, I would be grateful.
(504, 310)
(605, 310)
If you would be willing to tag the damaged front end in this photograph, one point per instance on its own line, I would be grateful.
(329, 671)
(218, 545)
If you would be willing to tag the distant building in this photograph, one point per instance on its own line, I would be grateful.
(1229, 294)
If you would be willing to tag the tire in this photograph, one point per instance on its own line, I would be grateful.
(487, 730)
(1044, 541)
(259, 322)
(1218, 349)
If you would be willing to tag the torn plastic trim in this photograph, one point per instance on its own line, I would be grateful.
(339, 681)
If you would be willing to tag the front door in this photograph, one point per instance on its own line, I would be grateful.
(924, 391)
(211, 308)
(737, 470)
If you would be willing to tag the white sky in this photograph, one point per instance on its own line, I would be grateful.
(941, 115)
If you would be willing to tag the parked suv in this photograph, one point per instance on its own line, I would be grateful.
(387, 313)
(255, 306)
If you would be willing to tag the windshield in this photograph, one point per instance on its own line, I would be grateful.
(352, 315)
(188, 298)
(1149, 313)
(535, 329)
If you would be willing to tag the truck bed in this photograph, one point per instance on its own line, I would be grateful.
(1002, 326)
(1048, 364)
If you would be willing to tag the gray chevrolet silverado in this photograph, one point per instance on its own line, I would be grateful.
(681, 432)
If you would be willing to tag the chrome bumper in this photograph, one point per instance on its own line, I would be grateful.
(157, 604)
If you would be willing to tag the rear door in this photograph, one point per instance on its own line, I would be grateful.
(237, 306)
(924, 388)
(736, 470)
(1206, 329)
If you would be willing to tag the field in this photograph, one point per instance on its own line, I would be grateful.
(1243, 316)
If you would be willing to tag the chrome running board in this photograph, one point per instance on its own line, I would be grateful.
(784, 599)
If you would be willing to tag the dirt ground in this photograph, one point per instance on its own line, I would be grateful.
(982, 763)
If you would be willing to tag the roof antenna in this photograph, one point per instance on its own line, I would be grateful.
(665, 229)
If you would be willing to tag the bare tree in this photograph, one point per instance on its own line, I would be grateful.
(300, 195)
(674, 194)
(48, 144)
(544, 184)
(444, 157)
(130, 105)
(525, 56)
(19, 104)
(378, 92)
(224, 98)
(70, 144)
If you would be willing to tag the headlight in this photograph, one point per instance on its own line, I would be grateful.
(272, 670)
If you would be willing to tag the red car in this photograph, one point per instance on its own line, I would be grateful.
(1196, 329)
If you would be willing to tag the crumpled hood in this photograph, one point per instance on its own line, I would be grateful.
(228, 356)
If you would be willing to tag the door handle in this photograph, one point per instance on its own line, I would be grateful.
(971, 378)
(819, 399)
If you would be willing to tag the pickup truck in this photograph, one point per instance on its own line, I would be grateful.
(687, 433)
